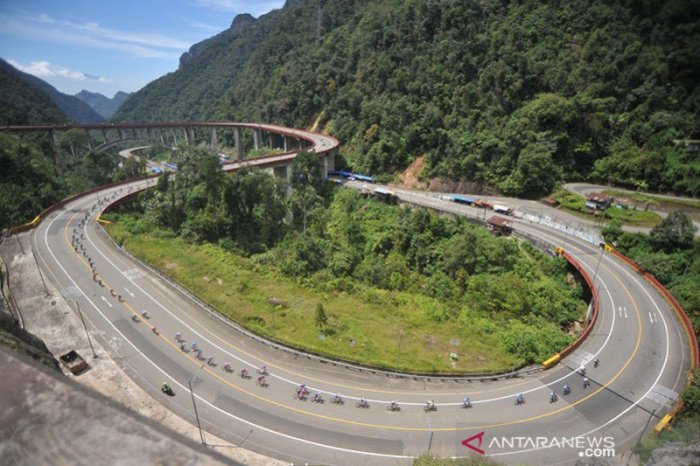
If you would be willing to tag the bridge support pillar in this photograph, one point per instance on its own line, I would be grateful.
(328, 163)
(104, 136)
(285, 142)
(214, 141)
(162, 139)
(121, 134)
(189, 132)
(239, 143)
(257, 137)
(54, 139)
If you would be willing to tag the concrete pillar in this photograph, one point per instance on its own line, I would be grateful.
(162, 139)
(239, 143)
(189, 132)
(285, 143)
(214, 142)
(54, 139)
(328, 163)
(121, 134)
(257, 136)
(104, 135)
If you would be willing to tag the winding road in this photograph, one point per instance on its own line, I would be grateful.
(644, 352)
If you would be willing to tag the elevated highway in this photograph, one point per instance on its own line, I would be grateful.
(642, 344)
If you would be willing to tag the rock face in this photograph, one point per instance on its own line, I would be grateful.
(239, 23)
(675, 454)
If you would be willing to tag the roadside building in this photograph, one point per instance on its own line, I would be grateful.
(598, 201)
(499, 225)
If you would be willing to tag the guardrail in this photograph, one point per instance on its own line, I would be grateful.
(594, 317)
(687, 326)
(33, 223)
(680, 312)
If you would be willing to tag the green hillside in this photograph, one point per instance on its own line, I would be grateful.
(516, 96)
(22, 104)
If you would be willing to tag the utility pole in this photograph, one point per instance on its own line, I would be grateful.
(41, 275)
(196, 414)
(80, 312)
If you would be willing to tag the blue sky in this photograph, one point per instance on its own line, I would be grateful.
(110, 46)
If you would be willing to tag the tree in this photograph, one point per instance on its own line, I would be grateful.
(675, 232)
(133, 167)
(321, 316)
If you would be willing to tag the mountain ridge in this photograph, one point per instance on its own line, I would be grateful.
(25, 104)
(101, 104)
(512, 96)
(74, 108)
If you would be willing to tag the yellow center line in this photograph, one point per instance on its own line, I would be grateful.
(390, 427)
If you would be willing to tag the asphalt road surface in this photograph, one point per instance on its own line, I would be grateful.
(642, 346)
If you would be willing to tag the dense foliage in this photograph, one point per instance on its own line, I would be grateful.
(35, 173)
(341, 242)
(74, 108)
(516, 95)
(21, 104)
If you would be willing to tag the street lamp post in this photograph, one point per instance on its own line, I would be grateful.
(196, 414)
(80, 312)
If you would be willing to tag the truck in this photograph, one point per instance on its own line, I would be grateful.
(74, 362)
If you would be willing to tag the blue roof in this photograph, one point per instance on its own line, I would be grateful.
(468, 200)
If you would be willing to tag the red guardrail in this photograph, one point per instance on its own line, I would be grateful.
(59, 204)
(594, 300)
(687, 325)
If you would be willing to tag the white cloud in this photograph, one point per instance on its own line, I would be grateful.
(256, 8)
(91, 34)
(44, 69)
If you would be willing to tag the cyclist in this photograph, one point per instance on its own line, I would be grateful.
(596, 362)
(244, 373)
(586, 382)
(567, 389)
(467, 402)
(519, 399)
(553, 397)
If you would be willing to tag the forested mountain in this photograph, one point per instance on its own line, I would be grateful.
(76, 109)
(22, 104)
(513, 95)
(103, 105)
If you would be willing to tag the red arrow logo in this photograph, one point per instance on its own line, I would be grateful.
(480, 437)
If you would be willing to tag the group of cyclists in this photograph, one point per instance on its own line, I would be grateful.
(302, 390)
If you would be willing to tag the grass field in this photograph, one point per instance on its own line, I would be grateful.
(385, 329)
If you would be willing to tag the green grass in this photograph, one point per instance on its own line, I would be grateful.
(262, 152)
(241, 289)
(576, 205)
(653, 200)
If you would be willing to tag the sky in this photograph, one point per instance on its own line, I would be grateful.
(109, 46)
